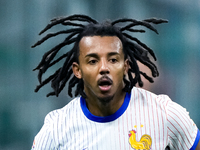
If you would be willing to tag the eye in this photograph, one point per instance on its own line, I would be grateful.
(113, 60)
(92, 62)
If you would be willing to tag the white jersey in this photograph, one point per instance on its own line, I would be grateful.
(144, 121)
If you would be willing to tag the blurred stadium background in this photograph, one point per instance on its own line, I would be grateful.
(22, 111)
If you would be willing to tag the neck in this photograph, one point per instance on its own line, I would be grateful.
(105, 107)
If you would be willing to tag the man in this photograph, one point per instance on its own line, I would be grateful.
(110, 113)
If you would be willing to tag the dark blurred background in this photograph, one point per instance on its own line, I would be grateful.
(22, 111)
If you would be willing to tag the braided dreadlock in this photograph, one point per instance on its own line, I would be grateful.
(133, 49)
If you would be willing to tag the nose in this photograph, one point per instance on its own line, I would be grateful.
(104, 69)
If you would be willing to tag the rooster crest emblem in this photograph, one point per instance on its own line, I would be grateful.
(144, 143)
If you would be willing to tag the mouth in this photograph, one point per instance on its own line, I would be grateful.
(105, 84)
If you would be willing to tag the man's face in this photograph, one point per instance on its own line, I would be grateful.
(101, 66)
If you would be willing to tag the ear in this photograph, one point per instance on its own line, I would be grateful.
(76, 70)
(126, 66)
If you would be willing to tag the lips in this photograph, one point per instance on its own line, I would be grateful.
(105, 83)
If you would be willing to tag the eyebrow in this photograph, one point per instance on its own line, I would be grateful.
(92, 55)
(113, 53)
(96, 55)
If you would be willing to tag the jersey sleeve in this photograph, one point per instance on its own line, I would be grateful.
(44, 139)
(182, 131)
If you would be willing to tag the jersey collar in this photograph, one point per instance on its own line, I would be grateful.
(110, 118)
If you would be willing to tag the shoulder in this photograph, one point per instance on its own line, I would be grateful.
(58, 114)
(149, 97)
(46, 137)
(150, 104)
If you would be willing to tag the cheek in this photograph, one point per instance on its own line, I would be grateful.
(88, 75)
(119, 72)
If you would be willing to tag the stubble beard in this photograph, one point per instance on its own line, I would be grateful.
(105, 100)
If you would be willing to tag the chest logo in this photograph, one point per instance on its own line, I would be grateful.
(144, 143)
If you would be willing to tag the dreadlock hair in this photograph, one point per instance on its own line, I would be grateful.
(134, 50)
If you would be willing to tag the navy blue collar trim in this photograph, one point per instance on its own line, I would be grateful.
(196, 141)
(112, 117)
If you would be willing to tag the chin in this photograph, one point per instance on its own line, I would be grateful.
(105, 99)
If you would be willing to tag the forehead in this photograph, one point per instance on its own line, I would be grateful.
(100, 44)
